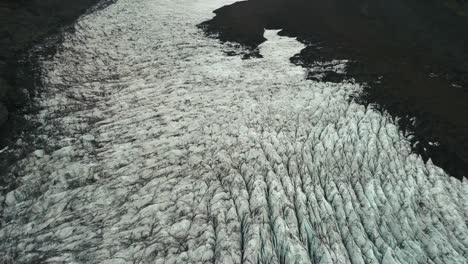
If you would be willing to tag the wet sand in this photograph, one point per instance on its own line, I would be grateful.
(412, 55)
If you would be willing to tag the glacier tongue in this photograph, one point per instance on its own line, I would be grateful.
(159, 148)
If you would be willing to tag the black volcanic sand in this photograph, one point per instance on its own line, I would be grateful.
(23, 24)
(411, 54)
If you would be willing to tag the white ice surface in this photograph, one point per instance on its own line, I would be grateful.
(161, 149)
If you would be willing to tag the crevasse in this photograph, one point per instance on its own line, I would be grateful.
(162, 149)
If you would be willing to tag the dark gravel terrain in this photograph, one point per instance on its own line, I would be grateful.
(24, 23)
(412, 54)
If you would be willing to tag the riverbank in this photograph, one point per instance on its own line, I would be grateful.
(412, 55)
(23, 24)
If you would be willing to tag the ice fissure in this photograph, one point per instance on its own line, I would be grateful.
(159, 148)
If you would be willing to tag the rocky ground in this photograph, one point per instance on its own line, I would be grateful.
(412, 54)
(24, 23)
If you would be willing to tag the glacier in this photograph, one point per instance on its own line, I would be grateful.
(156, 147)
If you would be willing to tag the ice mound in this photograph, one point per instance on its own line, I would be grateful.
(161, 149)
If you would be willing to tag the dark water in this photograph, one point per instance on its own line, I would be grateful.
(413, 56)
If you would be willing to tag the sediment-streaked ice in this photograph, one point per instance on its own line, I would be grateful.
(159, 148)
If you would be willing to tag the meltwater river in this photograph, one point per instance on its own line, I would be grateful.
(160, 148)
